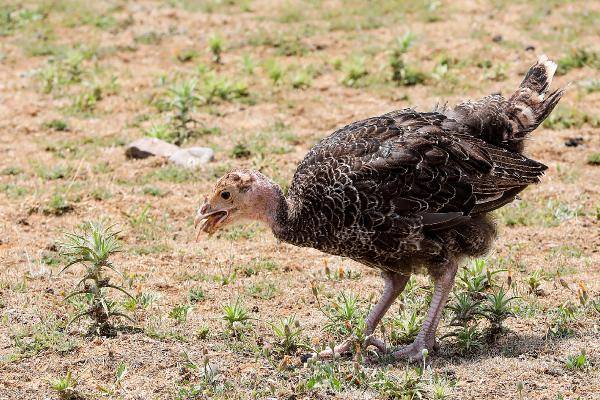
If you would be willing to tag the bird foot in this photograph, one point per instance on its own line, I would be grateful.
(415, 351)
(412, 352)
(347, 346)
(337, 351)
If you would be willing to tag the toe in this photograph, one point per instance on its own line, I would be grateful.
(412, 352)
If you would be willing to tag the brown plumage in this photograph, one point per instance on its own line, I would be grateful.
(403, 192)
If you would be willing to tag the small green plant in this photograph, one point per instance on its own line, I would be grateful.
(57, 205)
(202, 332)
(565, 117)
(59, 171)
(11, 171)
(594, 159)
(577, 58)
(340, 273)
(405, 326)
(153, 191)
(216, 87)
(274, 71)
(468, 338)
(534, 282)
(240, 150)
(59, 125)
(477, 278)
(183, 103)
(412, 385)
(302, 79)
(495, 308)
(120, 374)
(562, 319)
(355, 72)
(248, 64)
(287, 332)
(403, 74)
(236, 317)
(142, 300)
(345, 318)
(335, 376)
(577, 361)
(215, 45)
(92, 247)
(263, 290)
(85, 102)
(289, 46)
(180, 313)
(161, 131)
(196, 295)
(187, 55)
(464, 309)
(65, 386)
(150, 37)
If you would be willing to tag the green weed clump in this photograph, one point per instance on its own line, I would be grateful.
(577, 362)
(402, 73)
(594, 159)
(577, 58)
(92, 247)
(215, 45)
(570, 118)
(356, 71)
(287, 332)
(183, 98)
(237, 318)
(65, 386)
(478, 297)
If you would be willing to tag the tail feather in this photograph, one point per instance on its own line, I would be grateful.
(529, 106)
(506, 123)
(539, 77)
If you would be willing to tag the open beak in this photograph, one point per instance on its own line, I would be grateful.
(209, 220)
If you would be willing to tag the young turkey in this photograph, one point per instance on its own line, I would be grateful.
(404, 192)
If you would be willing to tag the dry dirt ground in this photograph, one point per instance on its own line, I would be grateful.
(79, 80)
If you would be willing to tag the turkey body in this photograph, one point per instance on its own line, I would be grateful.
(410, 190)
(403, 191)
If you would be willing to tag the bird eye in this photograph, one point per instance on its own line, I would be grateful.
(225, 195)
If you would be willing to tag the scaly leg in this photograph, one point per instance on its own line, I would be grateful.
(426, 337)
(394, 285)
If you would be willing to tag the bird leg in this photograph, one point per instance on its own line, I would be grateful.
(394, 284)
(426, 337)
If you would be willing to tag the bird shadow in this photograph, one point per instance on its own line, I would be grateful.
(510, 345)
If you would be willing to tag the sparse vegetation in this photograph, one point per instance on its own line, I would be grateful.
(577, 58)
(65, 386)
(232, 316)
(402, 73)
(92, 247)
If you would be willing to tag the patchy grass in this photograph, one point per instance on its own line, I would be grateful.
(231, 316)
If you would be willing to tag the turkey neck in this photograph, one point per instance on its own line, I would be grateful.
(271, 207)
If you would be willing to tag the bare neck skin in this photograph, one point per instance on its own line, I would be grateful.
(270, 205)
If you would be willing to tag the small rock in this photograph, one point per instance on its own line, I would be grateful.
(574, 142)
(147, 147)
(193, 157)
(497, 39)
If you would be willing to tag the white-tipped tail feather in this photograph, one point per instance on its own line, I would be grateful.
(529, 105)
(550, 67)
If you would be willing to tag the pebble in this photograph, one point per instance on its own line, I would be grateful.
(193, 157)
(148, 147)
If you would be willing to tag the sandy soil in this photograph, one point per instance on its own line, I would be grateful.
(82, 174)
